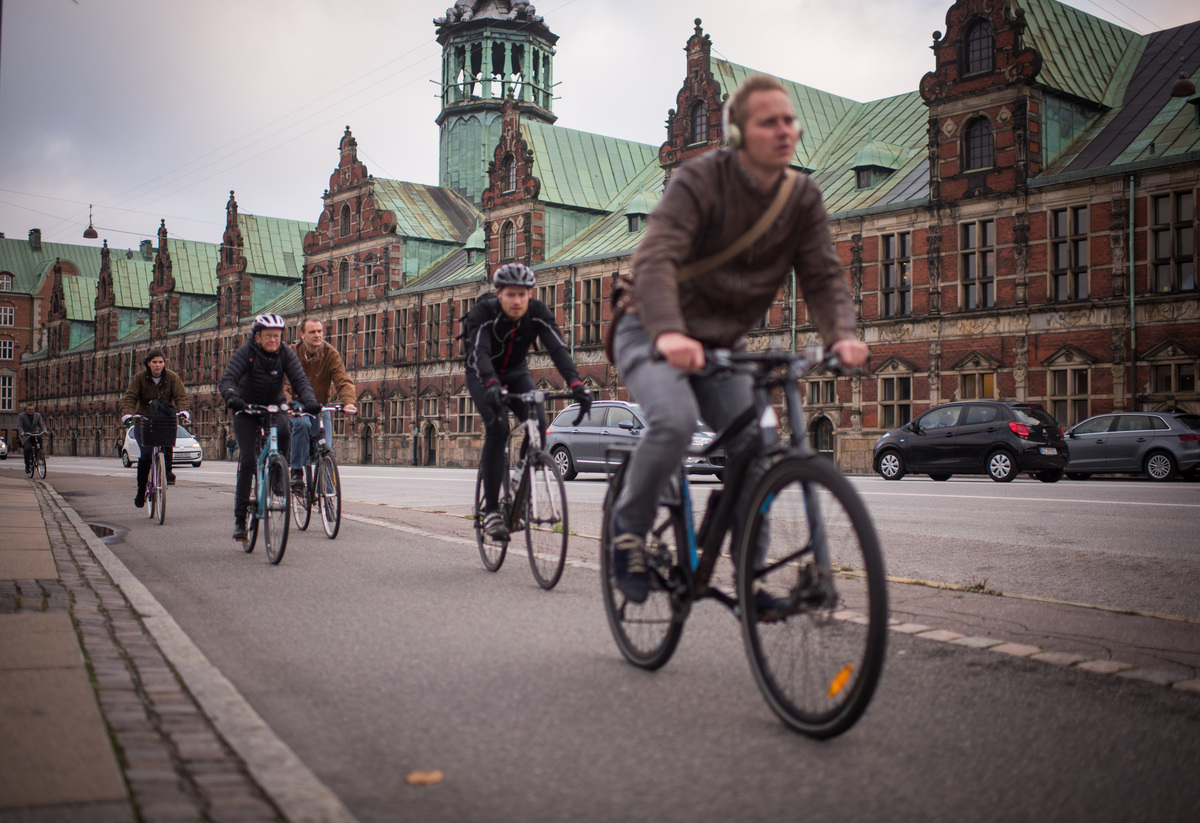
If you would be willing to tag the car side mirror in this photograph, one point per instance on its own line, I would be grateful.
(627, 424)
(915, 427)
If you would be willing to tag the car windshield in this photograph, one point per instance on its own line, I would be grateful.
(1192, 421)
(183, 432)
(1033, 417)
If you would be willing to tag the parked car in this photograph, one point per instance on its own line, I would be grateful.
(583, 448)
(1157, 444)
(187, 449)
(3, 449)
(996, 438)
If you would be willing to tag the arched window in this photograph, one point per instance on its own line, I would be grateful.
(508, 241)
(698, 123)
(345, 227)
(508, 171)
(981, 48)
(344, 276)
(979, 145)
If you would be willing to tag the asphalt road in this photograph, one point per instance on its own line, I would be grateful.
(391, 650)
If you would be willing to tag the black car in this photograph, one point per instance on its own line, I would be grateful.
(585, 447)
(996, 438)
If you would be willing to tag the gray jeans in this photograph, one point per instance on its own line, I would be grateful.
(672, 402)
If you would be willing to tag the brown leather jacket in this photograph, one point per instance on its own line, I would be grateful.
(142, 389)
(324, 370)
(709, 203)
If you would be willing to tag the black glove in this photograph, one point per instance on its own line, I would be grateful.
(495, 392)
(235, 402)
(313, 408)
(583, 396)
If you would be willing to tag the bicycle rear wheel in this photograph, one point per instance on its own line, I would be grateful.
(41, 464)
(648, 632)
(328, 492)
(491, 551)
(158, 507)
(818, 658)
(275, 518)
(302, 501)
(251, 515)
(546, 532)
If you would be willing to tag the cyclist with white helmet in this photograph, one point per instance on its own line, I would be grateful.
(255, 374)
(497, 334)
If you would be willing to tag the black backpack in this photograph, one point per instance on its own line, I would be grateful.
(474, 318)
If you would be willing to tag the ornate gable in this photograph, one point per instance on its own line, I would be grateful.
(351, 172)
(694, 125)
(510, 174)
(963, 65)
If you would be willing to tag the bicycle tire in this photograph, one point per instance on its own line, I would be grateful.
(302, 501)
(277, 516)
(160, 488)
(546, 521)
(817, 663)
(252, 515)
(492, 552)
(329, 494)
(646, 633)
(41, 464)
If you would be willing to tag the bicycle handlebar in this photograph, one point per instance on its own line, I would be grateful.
(139, 418)
(538, 396)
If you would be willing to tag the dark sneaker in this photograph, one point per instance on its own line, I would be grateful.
(769, 607)
(629, 565)
(297, 479)
(170, 480)
(139, 499)
(239, 529)
(494, 526)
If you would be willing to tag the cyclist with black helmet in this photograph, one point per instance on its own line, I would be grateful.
(255, 374)
(497, 334)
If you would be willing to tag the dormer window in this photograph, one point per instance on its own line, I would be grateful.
(979, 144)
(981, 48)
(863, 178)
(698, 123)
(6, 282)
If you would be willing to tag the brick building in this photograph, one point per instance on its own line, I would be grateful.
(1022, 226)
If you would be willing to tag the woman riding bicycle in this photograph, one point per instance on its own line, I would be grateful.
(155, 382)
(497, 334)
(659, 342)
(255, 375)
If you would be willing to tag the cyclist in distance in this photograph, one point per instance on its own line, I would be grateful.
(660, 340)
(155, 382)
(325, 370)
(30, 426)
(497, 334)
(255, 375)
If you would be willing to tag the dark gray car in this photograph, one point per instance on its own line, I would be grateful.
(1157, 444)
(585, 447)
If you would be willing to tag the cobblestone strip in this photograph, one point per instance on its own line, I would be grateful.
(176, 766)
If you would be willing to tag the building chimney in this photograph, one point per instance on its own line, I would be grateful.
(35, 239)
(147, 249)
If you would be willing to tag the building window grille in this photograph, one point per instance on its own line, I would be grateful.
(344, 276)
(895, 401)
(464, 414)
(508, 241)
(821, 392)
(400, 336)
(592, 303)
(399, 413)
(981, 48)
(1173, 238)
(1069, 254)
(341, 337)
(433, 322)
(369, 339)
(978, 386)
(1069, 395)
(979, 264)
(979, 144)
(698, 123)
(344, 228)
(896, 280)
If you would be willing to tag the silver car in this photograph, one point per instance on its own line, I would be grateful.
(1160, 445)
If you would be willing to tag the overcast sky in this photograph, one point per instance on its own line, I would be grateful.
(153, 109)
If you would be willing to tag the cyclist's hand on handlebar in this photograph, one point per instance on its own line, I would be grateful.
(313, 408)
(853, 353)
(125, 418)
(680, 351)
(583, 396)
(235, 403)
(350, 408)
(495, 394)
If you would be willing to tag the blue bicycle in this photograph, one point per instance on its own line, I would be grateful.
(270, 489)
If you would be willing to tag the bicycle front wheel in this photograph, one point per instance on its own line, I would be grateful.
(648, 632)
(815, 642)
(491, 551)
(41, 465)
(275, 518)
(252, 516)
(546, 532)
(328, 491)
(302, 501)
(158, 508)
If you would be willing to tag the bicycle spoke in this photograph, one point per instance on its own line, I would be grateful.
(546, 524)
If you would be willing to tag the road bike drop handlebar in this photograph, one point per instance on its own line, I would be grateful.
(540, 397)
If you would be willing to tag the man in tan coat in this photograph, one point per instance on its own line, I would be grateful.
(155, 382)
(326, 372)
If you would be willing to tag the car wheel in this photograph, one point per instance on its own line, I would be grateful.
(125, 461)
(940, 477)
(1049, 475)
(1161, 466)
(1000, 467)
(891, 465)
(566, 466)
(1078, 475)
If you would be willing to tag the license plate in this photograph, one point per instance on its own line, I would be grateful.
(1048, 450)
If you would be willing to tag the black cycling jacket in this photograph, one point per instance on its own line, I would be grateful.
(257, 376)
(496, 344)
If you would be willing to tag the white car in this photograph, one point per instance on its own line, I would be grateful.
(187, 449)
(3, 449)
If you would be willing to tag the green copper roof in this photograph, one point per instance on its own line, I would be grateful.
(427, 212)
(272, 246)
(28, 267)
(582, 170)
(193, 265)
(79, 296)
(131, 280)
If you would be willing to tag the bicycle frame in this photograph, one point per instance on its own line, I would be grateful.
(533, 440)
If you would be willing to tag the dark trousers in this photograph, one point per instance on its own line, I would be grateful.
(496, 429)
(143, 469)
(245, 430)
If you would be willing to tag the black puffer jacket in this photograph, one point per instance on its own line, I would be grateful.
(497, 345)
(257, 376)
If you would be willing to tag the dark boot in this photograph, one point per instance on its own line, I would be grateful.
(239, 528)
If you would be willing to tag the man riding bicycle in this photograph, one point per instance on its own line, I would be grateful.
(155, 382)
(30, 427)
(325, 370)
(255, 375)
(497, 334)
(710, 203)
